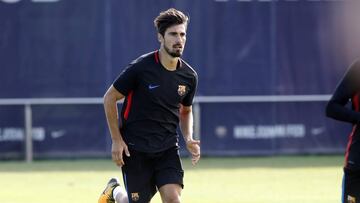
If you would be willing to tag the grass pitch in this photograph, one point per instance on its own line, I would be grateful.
(295, 179)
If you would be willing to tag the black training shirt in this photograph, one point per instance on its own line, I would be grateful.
(153, 94)
(348, 90)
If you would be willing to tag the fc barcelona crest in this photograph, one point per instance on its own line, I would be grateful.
(351, 199)
(135, 196)
(181, 90)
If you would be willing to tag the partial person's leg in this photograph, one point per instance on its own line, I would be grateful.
(112, 192)
(138, 177)
(351, 186)
(169, 176)
(170, 193)
(120, 195)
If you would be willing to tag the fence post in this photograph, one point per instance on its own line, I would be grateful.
(28, 134)
(197, 119)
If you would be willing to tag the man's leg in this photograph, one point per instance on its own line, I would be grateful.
(112, 192)
(169, 175)
(170, 193)
(120, 195)
(138, 177)
(351, 186)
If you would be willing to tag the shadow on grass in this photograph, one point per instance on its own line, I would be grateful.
(229, 163)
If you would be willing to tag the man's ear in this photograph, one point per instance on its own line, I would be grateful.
(160, 38)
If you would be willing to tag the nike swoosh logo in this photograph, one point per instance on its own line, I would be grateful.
(153, 86)
(58, 134)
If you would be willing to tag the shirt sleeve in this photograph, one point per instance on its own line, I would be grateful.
(346, 90)
(188, 100)
(127, 80)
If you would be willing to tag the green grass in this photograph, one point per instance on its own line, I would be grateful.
(295, 179)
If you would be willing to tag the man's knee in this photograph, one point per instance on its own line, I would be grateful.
(172, 199)
(170, 193)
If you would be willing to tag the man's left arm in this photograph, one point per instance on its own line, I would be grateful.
(186, 126)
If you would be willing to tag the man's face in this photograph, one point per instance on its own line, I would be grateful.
(174, 40)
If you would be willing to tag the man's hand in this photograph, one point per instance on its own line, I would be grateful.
(193, 147)
(118, 148)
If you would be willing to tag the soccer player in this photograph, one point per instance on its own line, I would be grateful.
(158, 88)
(349, 90)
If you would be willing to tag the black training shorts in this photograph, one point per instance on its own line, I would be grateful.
(144, 173)
(351, 186)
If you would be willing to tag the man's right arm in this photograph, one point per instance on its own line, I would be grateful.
(345, 91)
(118, 145)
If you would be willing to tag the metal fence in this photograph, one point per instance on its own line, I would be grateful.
(199, 100)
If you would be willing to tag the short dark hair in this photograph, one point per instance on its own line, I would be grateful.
(169, 18)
